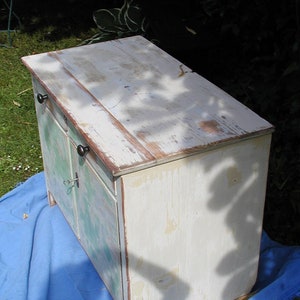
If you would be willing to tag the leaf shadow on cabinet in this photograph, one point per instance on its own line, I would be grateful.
(236, 196)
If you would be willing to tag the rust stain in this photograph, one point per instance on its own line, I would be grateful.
(182, 72)
(155, 150)
(211, 126)
(142, 135)
(152, 147)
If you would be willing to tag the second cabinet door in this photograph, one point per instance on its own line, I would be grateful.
(98, 223)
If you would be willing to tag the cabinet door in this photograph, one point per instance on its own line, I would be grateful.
(56, 158)
(97, 224)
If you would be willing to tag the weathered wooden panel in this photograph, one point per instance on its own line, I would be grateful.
(149, 106)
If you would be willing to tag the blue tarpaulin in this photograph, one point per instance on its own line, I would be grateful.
(40, 258)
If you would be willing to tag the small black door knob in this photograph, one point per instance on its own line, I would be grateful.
(41, 98)
(82, 150)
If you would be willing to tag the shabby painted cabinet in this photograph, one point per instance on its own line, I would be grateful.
(160, 173)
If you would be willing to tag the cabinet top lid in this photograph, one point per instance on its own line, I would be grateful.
(137, 106)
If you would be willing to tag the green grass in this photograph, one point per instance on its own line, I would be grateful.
(20, 154)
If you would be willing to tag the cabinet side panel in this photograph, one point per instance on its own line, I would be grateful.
(193, 226)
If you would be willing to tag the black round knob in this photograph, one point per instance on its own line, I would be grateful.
(82, 150)
(41, 98)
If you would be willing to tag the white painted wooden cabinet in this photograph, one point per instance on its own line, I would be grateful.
(160, 174)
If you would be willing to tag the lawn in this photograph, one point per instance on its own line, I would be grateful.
(20, 153)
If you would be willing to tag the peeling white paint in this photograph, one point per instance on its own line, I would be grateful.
(119, 90)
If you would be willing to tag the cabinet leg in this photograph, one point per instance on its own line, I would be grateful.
(51, 199)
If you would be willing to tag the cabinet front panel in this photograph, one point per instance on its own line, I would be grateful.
(98, 225)
(55, 149)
